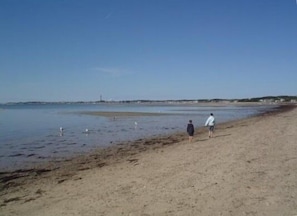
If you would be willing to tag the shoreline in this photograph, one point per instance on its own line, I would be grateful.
(24, 146)
(109, 155)
(36, 163)
(58, 173)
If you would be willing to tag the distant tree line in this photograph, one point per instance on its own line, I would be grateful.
(284, 98)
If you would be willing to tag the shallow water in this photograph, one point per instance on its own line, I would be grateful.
(31, 133)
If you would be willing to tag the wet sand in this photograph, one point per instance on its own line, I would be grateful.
(249, 168)
(121, 114)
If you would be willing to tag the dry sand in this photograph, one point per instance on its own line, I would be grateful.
(249, 168)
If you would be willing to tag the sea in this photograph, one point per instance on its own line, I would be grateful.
(37, 133)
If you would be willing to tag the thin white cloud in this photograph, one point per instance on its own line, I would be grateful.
(111, 71)
(108, 15)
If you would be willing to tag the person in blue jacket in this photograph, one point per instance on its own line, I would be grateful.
(190, 130)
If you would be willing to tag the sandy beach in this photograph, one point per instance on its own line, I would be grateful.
(248, 168)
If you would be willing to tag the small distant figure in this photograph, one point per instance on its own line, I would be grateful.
(135, 125)
(86, 132)
(61, 131)
(190, 130)
(210, 122)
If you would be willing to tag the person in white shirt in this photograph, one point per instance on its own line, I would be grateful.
(210, 122)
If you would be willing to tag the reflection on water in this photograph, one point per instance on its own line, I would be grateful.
(33, 133)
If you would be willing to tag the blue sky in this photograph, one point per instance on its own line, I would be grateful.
(72, 50)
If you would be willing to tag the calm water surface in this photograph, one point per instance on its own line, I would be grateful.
(31, 133)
